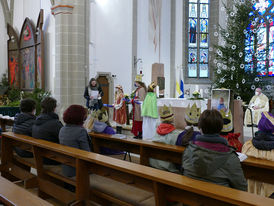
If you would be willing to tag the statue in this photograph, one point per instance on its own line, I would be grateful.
(258, 104)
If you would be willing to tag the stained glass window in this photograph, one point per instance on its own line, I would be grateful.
(259, 51)
(198, 38)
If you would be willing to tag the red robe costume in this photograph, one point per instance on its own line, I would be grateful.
(119, 114)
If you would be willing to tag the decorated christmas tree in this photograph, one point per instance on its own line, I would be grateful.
(231, 70)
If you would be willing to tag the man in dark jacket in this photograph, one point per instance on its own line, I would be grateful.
(23, 122)
(47, 124)
(209, 158)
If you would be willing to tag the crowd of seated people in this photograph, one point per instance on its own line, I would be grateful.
(207, 156)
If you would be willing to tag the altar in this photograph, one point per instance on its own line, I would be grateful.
(179, 106)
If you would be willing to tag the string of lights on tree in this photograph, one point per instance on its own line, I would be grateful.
(245, 53)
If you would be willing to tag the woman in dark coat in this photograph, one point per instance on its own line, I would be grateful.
(93, 94)
(73, 134)
(47, 124)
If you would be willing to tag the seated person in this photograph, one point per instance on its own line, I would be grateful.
(261, 146)
(165, 133)
(73, 134)
(191, 131)
(102, 126)
(258, 104)
(228, 131)
(23, 122)
(210, 158)
(47, 124)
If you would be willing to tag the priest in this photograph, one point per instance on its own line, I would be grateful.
(258, 104)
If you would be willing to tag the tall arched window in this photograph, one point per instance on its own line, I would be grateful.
(259, 50)
(198, 38)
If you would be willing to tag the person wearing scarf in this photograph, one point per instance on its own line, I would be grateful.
(209, 158)
(165, 133)
(93, 94)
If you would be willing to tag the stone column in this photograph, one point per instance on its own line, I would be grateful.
(70, 51)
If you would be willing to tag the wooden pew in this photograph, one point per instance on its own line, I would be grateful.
(164, 185)
(146, 149)
(5, 122)
(11, 194)
(254, 168)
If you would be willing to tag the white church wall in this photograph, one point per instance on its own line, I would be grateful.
(145, 46)
(111, 40)
(3, 39)
(31, 9)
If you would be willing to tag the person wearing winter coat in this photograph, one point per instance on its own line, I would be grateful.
(47, 124)
(23, 122)
(93, 95)
(210, 158)
(73, 134)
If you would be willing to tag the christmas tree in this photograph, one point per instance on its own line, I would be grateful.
(230, 66)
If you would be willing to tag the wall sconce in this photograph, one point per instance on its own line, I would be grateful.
(12, 38)
(136, 61)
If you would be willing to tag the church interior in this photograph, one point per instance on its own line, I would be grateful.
(137, 102)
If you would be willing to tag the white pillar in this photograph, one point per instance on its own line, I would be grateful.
(70, 38)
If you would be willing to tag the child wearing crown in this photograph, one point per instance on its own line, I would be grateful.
(119, 113)
(192, 115)
(166, 133)
(102, 126)
(150, 113)
(138, 98)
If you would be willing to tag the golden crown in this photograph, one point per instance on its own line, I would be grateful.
(192, 114)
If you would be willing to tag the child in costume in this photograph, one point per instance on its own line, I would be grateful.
(119, 113)
(166, 133)
(150, 113)
(138, 98)
(261, 146)
(102, 126)
(228, 131)
(192, 115)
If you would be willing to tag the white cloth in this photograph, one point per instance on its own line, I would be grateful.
(182, 102)
(261, 101)
(149, 128)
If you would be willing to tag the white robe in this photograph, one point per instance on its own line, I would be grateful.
(261, 101)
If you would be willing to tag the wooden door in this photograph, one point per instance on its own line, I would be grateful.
(103, 81)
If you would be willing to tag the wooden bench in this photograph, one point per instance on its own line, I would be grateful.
(97, 178)
(5, 122)
(254, 168)
(11, 194)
